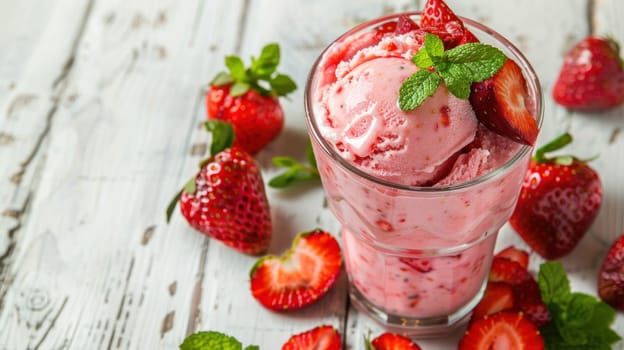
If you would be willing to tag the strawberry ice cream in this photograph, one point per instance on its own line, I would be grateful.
(420, 194)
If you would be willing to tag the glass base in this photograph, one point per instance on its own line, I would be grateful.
(430, 327)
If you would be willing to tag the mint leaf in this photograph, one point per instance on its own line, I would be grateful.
(282, 85)
(434, 45)
(416, 88)
(210, 340)
(578, 320)
(252, 347)
(580, 309)
(458, 68)
(236, 67)
(455, 82)
(422, 59)
(476, 61)
(553, 282)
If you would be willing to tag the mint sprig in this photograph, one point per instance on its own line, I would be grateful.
(211, 340)
(295, 171)
(261, 75)
(458, 67)
(578, 321)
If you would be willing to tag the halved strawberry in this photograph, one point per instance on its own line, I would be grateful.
(437, 12)
(611, 277)
(505, 270)
(301, 276)
(504, 330)
(498, 296)
(405, 25)
(392, 341)
(320, 338)
(527, 296)
(468, 37)
(500, 104)
(514, 254)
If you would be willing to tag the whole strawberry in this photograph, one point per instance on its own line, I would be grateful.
(559, 200)
(611, 277)
(592, 76)
(248, 98)
(226, 199)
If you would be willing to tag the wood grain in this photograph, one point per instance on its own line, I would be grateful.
(101, 105)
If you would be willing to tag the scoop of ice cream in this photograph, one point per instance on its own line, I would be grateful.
(366, 125)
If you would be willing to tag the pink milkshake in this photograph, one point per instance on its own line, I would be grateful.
(420, 194)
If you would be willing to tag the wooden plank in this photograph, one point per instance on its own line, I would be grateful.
(112, 274)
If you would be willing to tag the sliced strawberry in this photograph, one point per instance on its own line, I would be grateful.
(526, 293)
(611, 277)
(405, 25)
(468, 37)
(498, 296)
(301, 276)
(504, 330)
(451, 33)
(392, 341)
(505, 270)
(320, 338)
(514, 254)
(500, 103)
(437, 12)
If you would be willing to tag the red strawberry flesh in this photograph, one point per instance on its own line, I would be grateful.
(504, 330)
(320, 338)
(500, 103)
(498, 296)
(436, 12)
(392, 341)
(301, 276)
(514, 254)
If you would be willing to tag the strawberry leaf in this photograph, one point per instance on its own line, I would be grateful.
(239, 89)
(221, 79)
(266, 64)
(282, 85)
(236, 67)
(416, 88)
(222, 135)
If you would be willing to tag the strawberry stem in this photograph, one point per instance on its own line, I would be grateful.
(554, 145)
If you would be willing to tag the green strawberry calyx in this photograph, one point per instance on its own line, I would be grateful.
(261, 75)
(222, 139)
(556, 144)
(458, 67)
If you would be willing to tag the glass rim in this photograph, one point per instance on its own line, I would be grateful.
(528, 70)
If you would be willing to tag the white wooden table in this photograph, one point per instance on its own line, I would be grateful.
(100, 109)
